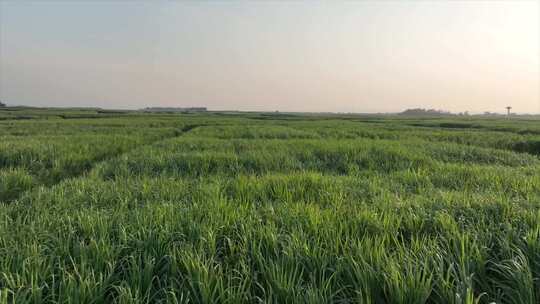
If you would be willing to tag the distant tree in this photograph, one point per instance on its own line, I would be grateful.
(2, 105)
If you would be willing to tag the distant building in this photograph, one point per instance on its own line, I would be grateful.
(168, 110)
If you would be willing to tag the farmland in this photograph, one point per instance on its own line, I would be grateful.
(105, 207)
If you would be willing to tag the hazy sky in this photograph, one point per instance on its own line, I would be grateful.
(358, 56)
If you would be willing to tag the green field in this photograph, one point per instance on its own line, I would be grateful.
(124, 207)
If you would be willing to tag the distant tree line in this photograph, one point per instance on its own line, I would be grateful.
(425, 112)
(433, 112)
(2, 105)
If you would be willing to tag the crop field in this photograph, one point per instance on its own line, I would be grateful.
(106, 207)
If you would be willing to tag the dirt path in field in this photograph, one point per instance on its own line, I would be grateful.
(184, 130)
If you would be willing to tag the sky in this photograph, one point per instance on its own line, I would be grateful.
(306, 56)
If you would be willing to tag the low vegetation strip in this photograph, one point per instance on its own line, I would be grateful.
(209, 208)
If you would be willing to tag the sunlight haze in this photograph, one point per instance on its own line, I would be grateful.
(331, 56)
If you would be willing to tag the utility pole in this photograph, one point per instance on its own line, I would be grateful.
(508, 110)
